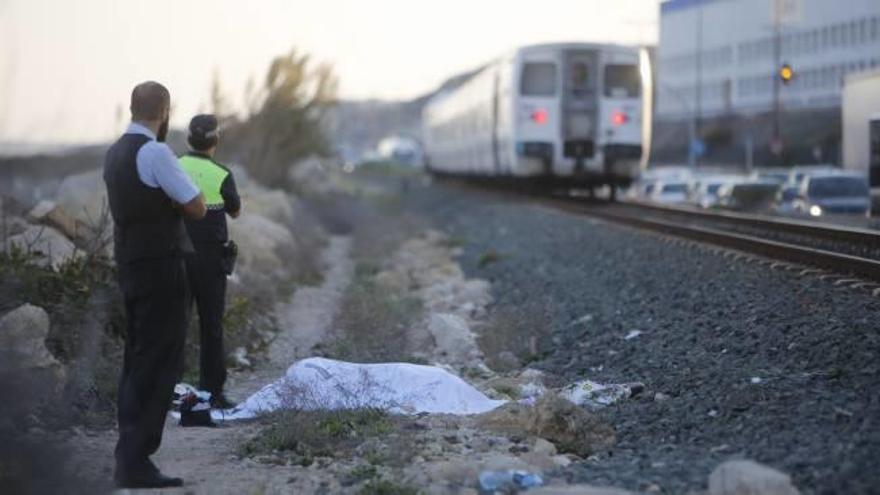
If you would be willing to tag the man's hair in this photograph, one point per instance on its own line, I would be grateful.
(148, 100)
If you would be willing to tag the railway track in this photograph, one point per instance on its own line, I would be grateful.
(845, 250)
(849, 251)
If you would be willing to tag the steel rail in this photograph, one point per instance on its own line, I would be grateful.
(833, 261)
(856, 235)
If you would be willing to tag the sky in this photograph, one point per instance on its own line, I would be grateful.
(67, 67)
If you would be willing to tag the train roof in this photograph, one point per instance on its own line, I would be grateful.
(575, 44)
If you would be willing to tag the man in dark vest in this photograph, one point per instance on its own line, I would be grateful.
(208, 268)
(149, 194)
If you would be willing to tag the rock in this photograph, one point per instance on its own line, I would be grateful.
(51, 246)
(273, 204)
(561, 460)
(746, 477)
(23, 333)
(542, 446)
(14, 226)
(258, 239)
(507, 361)
(660, 397)
(83, 196)
(571, 428)
(49, 213)
(239, 358)
(453, 338)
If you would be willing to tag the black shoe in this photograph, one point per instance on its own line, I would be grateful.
(220, 401)
(146, 480)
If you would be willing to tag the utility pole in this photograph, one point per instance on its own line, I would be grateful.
(698, 86)
(776, 145)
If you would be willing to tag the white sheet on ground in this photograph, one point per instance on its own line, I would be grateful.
(401, 388)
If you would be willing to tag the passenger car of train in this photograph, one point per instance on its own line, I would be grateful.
(570, 113)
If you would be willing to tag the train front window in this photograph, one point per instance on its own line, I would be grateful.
(538, 79)
(622, 81)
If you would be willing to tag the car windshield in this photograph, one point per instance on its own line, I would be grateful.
(674, 188)
(713, 188)
(775, 177)
(838, 187)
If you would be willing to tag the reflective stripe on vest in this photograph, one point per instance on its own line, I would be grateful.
(208, 177)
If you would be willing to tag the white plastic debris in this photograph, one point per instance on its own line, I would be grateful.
(401, 388)
(594, 395)
(632, 334)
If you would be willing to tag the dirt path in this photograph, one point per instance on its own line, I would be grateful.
(304, 321)
(205, 457)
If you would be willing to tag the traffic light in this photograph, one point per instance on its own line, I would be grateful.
(786, 74)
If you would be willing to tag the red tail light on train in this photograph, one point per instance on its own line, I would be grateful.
(540, 117)
(619, 118)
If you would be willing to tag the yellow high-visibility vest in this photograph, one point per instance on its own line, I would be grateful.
(208, 177)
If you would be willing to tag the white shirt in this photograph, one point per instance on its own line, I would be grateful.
(158, 167)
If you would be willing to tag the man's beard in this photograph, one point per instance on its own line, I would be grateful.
(163, 131)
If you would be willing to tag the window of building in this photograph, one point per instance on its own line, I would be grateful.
(875, 28)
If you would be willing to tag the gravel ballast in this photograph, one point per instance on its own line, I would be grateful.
(745, 361)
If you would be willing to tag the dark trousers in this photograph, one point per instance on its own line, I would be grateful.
(156, 302)
(207, 281)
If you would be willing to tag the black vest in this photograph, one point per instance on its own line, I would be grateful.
(146, 224)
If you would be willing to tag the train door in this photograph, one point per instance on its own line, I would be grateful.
(579, 105)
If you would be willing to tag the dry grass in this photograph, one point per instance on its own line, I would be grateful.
(373, 322)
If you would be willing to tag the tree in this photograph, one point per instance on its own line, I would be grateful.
(289, 122)
(219, 103)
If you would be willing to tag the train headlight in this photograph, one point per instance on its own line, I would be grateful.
(816, 211)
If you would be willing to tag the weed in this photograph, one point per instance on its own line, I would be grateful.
(488, 258)
(373, 322)
(304, 435)
(358, 474)
(386, 487)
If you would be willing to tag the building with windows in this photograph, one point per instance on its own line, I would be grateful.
(722, 57)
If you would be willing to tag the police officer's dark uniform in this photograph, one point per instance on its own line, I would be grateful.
(150, 240)
(208, 268)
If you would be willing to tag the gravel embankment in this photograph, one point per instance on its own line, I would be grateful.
(757, 363)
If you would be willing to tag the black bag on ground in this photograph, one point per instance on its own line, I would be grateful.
(230, 254)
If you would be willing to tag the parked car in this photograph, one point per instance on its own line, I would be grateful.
(797, 173)
(673, 192)
(704, 191)
(783, 204)
(752, 195)
(833, 193)
(772, 174)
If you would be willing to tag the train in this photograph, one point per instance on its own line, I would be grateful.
(560, 113)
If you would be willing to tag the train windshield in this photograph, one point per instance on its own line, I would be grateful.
(538, 79)
(622, 81)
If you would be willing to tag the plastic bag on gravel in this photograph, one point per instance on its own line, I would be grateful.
(594, 395)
